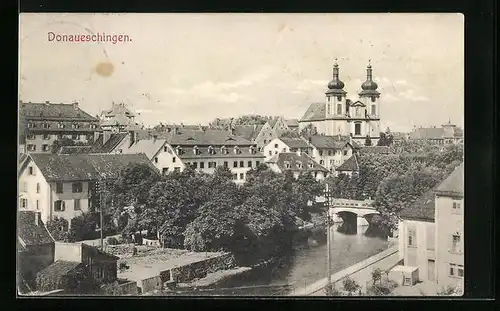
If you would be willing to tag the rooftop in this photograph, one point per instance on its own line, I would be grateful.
(79, 167)
(454, 183)
(150, 147)
(316, 111)
(118, 109)
(422, 209)
(58, 269)
(210, 137)
(249, 132)
(375, 149)
(328, 142)
(295, 142)
(29, 232)
(351, 164)
(296, 162)
(50, 111)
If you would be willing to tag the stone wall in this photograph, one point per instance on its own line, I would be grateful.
(200, 269)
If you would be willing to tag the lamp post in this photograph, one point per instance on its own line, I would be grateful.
(328, 242)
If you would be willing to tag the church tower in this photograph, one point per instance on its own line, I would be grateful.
(368, 112)
(336, 104)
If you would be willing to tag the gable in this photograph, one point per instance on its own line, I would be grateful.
(357, 104)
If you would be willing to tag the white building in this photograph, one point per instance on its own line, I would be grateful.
(286, 144)
(298, 163)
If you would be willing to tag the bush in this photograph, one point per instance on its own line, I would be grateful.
(112, 241)
(331, 290)
(123, 266)
(350, 286)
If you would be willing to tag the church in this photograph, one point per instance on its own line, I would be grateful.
(338, 115)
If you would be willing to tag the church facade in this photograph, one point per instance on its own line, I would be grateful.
(338, 115)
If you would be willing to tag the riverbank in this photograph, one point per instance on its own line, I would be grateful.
(360, 272)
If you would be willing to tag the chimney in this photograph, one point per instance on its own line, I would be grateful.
(75, 105)
(37, 218)
(106, 136)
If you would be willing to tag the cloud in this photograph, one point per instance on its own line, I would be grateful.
(308, 85)
(410, 95)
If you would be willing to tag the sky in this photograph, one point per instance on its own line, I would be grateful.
(192, 68)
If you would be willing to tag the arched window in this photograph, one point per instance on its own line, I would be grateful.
(339, 98)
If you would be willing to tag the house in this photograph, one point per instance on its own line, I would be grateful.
(446, 134)
(279, 125)
(63, 185)
(449, 220)
(119, 118)
(431, 233)
(259, 134)
(35, 247)
(349, 167)
(206, 150)
(286, 144)
(159, 152)
(339, 115)
(299, 163)
(101, 265)
(41, 124)
(75, 263)
(331, 151)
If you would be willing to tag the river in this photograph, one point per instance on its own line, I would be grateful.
(307, 263)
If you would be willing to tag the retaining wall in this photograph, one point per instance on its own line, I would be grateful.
(200, 269)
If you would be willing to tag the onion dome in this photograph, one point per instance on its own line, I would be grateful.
(369, 86)
(336, 86)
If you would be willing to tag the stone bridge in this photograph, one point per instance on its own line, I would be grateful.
(340, 209)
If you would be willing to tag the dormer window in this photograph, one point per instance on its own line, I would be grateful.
(224, 150)
(46, 126)
(287, 164)
(251, 150)
(196, 150)
(31, 125)
(311, 165)
(60, 125)
(76, 125)
(237, 150)
(211, 150)
(178, 150)
(93, 126)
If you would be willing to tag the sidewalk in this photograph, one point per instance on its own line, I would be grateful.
(361, 273)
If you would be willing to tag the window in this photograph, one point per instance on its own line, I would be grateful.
(37, 205)
(46, 136)
(59, 187)
(93, 126)
(165, 149)
(31, 125)
(242, 164)
(456, 270)
(202, 164)
(30, 136)
(456, 243)
(460, 271)
(374, 110)
(76, 125)
(412, 237)
(75, 137)
(60, 136)
(31, 170)
(358, 112)
(226, 164)
(339, 108)
(45, 147)
(46, 125)
(357, 129)
(270, 153)
(164, 171)
(257, 163)
(37, 187)
(249, 163)
(77, 187)
(321, 162)
(235, 176)
(24, 203)
(284, 149)
(235, 164)
(311, 165)
(156, 160)
(275, 145)
(265, 141)
(31, 147)
(345, 152)
(242, 176)
(59, 206)
(60, 125)
(456, 206)
(329, 152)
(195, 165)
(77, 205)
(287, 164)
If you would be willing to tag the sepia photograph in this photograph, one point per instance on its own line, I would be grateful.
(241, 154)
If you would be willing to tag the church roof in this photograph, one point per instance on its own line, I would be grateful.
(316, 111)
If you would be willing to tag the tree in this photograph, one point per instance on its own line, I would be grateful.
(83, 227)
(368, 141)
(376, 276)
(58, 228)
(332, 291)
(350, 286)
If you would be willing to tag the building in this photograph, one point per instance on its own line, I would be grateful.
(35, 248)
(450, 230)
(279, 125)
(41, 124)
(446, 134)
(349, 167)
(118, 119)
(341, 116)
(292, 124)
(259, 134)
(331, 151)
(431, 233)
(206, 150)
(298, 163)
(159, 152)
(286, 144)
(63, 185)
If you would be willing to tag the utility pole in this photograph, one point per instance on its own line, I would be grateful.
(328, 242)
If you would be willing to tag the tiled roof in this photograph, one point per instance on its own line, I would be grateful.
(272, 122)
(118, 109)
(150, 147)
(292, 122)
(48, 111)
(249, 132)
(29, 232)
(203, 152)
(58, 269)
(422, 209)
(350, 164)
(316, 111)
(375, 149)
(118, 120)
(295, 142)
(454, 183)
(75, 149)
(56, 167)
(292, 158)
(206, 138)
(109, 146)
(328, 142)
(430, 133)
(22, 157)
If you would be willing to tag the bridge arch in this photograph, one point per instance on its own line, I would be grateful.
(363, 210)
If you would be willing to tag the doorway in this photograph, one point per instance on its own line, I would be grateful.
(431, 264)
